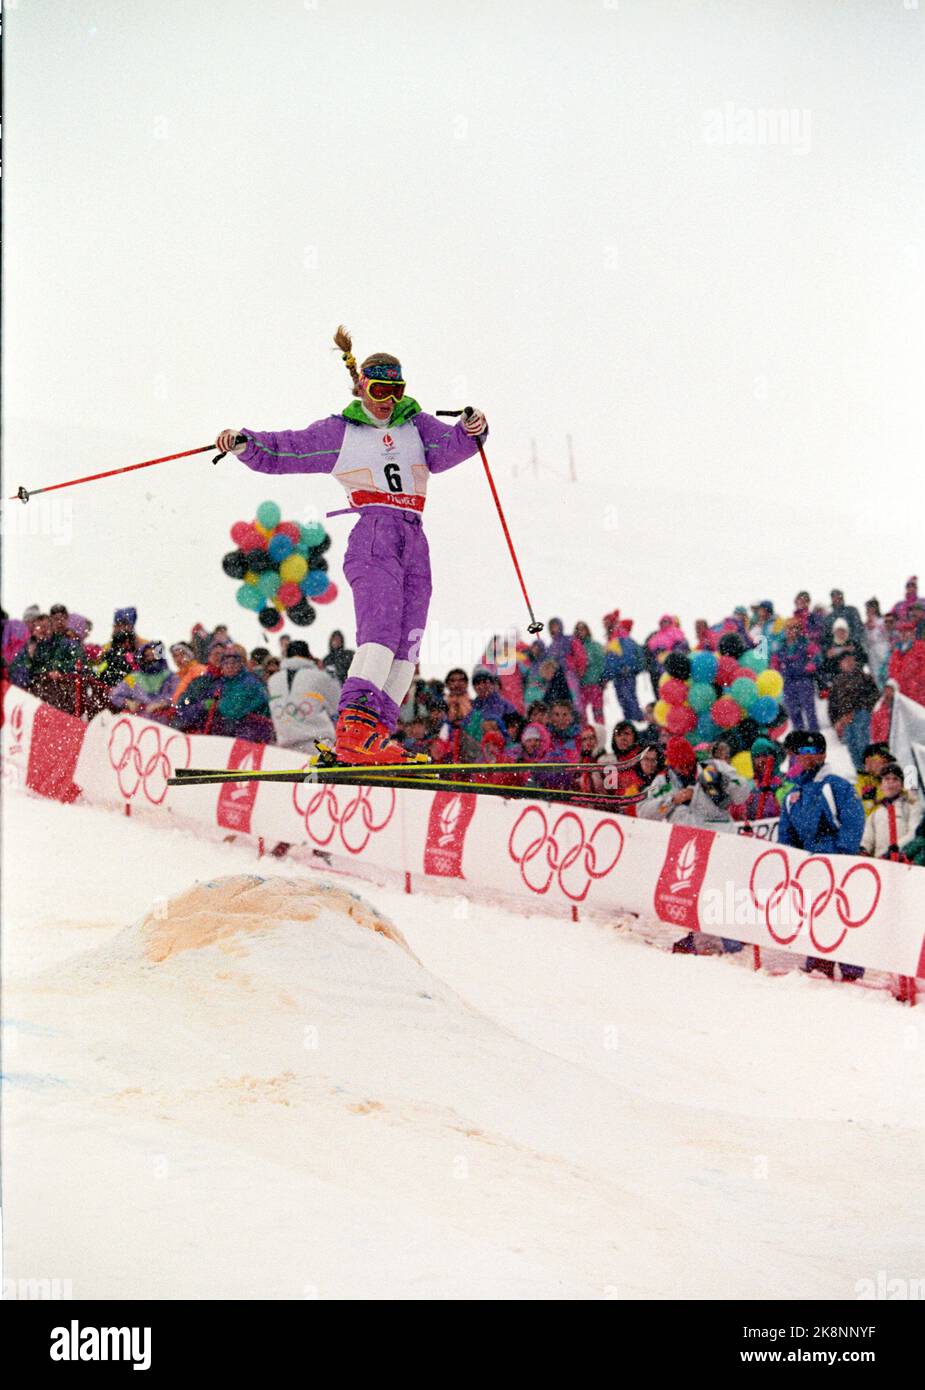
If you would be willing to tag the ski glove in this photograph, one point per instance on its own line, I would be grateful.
(476, 423)
(226, 442)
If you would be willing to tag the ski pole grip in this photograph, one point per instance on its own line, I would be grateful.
(238, 439)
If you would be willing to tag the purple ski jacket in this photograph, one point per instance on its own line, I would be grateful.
(316, 448)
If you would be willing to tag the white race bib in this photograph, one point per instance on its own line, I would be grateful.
(383, 468)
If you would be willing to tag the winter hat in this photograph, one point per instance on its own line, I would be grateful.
(31, 613)
(767, 748)
(183, 647)
(79, 625)
(679, 755)
(126, 615)
(532, 731)
(805, 741)
(481, 674)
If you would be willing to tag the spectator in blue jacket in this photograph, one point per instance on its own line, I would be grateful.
(623, 660)
(821, 813)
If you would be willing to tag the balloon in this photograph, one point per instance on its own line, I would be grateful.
(279, 547)
(706, 730)
(302, 614)
(240, 531)
(251, 576)
(674, 691)
(291, 530)
(725, 712)
(264, 532)
(730, 644)
(249, 597)
(289, 594)
(315, 536)
(258, 560)
(726, 670)
(294, 568)
(744, 734)
(268, 515)
(703, 666)
(742, 762)
(251, 539)
(753, 660)
(661, 711)
(701, 696)
(270, 619)
(268, 583)
(278, 603)
(315, 582)
(770, 683)
(764, 710)
(235, 564)
(744, 673)
(317, 562)
(679, 665)
(681, 720)
(743, 691)
(329, 595)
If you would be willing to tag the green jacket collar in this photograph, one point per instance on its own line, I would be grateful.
(402, 412)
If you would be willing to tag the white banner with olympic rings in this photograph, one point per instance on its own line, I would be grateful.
(744, 887)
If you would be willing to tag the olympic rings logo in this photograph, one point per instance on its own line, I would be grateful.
(360, 815)
(790, 901)
(564, 852)
(144, 761)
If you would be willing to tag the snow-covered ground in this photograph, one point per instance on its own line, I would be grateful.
(265, 1088)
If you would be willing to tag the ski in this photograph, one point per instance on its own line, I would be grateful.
(313, 777)
(334, 770)
(508, 790)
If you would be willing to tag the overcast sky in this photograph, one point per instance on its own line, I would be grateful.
(688, 234)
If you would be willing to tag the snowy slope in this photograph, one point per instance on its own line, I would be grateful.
(265, 1088)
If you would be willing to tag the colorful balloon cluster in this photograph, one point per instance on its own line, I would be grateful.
(703, 695)
(282, 566)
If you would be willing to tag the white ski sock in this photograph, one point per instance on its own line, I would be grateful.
(372, 662)
(398, 681)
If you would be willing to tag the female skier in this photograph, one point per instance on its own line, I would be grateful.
(382, 449)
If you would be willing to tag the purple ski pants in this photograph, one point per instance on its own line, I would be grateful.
(387, 565)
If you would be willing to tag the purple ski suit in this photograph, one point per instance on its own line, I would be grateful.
(387, 562)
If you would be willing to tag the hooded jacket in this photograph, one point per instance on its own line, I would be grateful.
(822, 813)
(701, 809)
(303, 703)
(148, 686)
(235, 706)
(883, 831)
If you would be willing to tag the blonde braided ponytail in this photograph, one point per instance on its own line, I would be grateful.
(344, 341)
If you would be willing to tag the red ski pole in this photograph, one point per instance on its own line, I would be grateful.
(533, 626)
(23, 494)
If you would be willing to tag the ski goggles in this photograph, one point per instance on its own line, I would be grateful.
(385, 390)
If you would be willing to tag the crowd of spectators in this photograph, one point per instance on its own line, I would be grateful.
(533, 714)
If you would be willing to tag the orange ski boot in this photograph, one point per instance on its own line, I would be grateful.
(361, 737)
